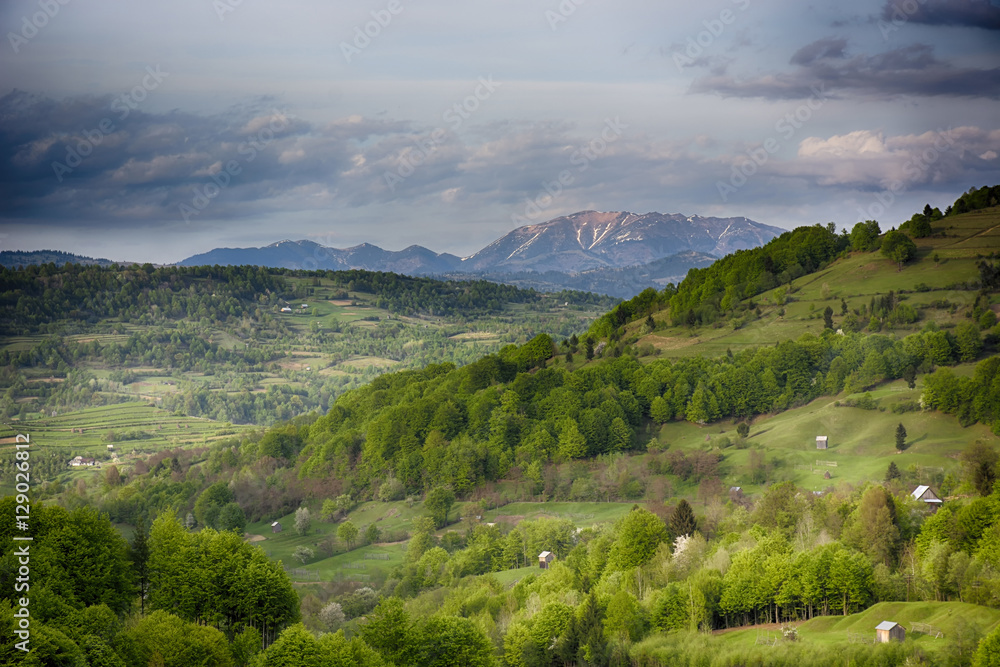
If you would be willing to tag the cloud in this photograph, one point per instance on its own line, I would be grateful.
(866, 159)
(257, 164)
(910, 70)
(828, 47)
(75, 160)
(968, 13)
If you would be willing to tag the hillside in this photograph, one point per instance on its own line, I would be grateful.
(935, 283)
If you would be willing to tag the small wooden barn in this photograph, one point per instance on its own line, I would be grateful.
(927, 495)
(888, 631)
(821, 442)
(545, 559)
(276, 527)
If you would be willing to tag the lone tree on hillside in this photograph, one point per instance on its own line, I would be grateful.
(348, 533)
(743, 429)
(438, 503)
(898, 247)
(900, 438)
(828, 317)
(682, 521)
(893, 472)
(303, 521)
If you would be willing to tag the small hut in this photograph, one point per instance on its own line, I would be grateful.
(888, 631)
(821, 442)
(927, 495)
(276, 527)
(545, 559)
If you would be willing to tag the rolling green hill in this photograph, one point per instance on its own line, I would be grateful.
(936, 283)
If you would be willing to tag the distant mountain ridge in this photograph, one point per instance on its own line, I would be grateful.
(309, 255)
(594, 239)
(14, 258)
(590, 250)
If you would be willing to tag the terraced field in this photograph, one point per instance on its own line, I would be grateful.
(126, 426)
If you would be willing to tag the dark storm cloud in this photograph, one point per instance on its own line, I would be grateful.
(911, 70)
(969, 13)
(84, 159)
(89, 158)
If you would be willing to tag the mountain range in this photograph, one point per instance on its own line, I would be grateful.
(616, 253)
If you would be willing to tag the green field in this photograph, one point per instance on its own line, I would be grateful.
(952, 619)
(861, 442)
(395, 520)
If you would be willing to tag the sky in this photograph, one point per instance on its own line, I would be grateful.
(145, 130)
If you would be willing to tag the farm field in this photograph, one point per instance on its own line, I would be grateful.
(861, 442)
(132, 430)
(126, 426)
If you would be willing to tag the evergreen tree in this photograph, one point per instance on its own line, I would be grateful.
(900, 437)
(893, 472)
(138, 553)
(828, 317)
(682, 521)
